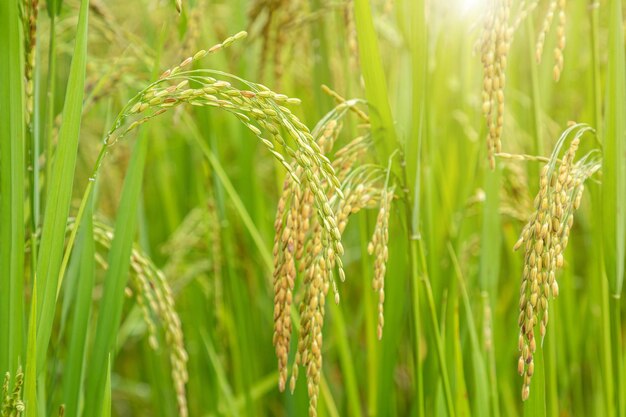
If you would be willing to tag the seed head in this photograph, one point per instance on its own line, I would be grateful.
(545, 237)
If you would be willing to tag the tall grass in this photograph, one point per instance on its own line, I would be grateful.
(12, 136)
(353, 175)
(614, 194)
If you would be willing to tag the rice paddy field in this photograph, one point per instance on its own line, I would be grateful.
(312, 208)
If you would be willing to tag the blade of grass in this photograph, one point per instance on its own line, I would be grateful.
(115, 278)
(418, 43)
(106, 405)
(30, 378)
(481, 396)
(614, 188)
(50, 92)
(597, 232)
(227, 392)
(462, 396)
(11, 187)
(347, 362)
(260, 389)
(375, 85)
(60, 190)
(439, 345)
(417, 38)
(234, 196)
(491, 239)
(327, 399)
(34, 165)
(74, 368)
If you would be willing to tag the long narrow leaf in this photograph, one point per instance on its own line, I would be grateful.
(30, 383)
(74, 372)
(11, 186)
(375, 84)
(614, 165)
(115, 279)
(60, 189)
(614, 188)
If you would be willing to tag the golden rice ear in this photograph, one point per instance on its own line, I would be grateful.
(11, 401)
(545, 238)
(555, 7)
(494, 48)
(303, 243)
(379, 248)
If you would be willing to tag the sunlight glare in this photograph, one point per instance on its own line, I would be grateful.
(471, 6)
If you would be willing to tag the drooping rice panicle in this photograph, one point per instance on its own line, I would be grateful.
(299, 247)
(494, 48)
(378, 248)
(554, 7)
(259, 108)
(311, 177)
(545, 28)
(545, 238)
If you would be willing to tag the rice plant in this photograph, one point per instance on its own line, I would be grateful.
(287, 208)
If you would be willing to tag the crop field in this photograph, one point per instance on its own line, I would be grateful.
(318, 208)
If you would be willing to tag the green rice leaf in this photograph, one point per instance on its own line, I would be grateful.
(614, 165)
(75, 370)
(375, 83)
(11, 186)
(30, 378)
(115, 279)
(60, 190)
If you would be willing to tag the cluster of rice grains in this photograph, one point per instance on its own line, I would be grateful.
(302, 245)
(494, 48)
(11, 403)
(545, 238)
(311, 174)
(257, 107)
(554, 6)
(494, 45)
